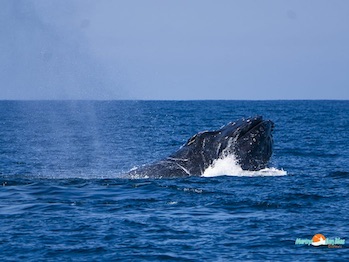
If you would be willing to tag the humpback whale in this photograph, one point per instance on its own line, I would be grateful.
(248, 139)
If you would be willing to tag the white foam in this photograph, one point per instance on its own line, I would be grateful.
(228, 166)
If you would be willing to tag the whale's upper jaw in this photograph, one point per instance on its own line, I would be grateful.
(254, 146)
(250, 140)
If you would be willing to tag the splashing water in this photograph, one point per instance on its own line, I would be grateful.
(228, 166)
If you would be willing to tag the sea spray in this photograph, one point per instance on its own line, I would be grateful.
(228, 166)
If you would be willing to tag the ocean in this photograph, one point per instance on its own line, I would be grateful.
(63, 198)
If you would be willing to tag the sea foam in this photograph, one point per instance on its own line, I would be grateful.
(228, 166)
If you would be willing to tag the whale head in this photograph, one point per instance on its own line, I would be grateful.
(249, 139)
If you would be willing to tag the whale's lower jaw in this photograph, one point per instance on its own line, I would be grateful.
(252, 166)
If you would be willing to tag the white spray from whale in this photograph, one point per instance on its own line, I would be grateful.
(228, 166)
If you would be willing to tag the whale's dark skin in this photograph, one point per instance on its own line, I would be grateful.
(250, 140)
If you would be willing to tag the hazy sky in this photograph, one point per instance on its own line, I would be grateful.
(193, 49)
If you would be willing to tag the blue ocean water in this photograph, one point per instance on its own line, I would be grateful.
(62, 198)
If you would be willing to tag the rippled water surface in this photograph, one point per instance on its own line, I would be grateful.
(62, 198)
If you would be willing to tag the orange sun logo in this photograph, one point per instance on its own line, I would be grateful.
(318, 240)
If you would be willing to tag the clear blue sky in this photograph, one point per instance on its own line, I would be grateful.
(137, 49)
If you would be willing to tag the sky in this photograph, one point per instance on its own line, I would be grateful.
(174, 50)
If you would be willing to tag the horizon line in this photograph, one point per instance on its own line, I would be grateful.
(164, 100)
